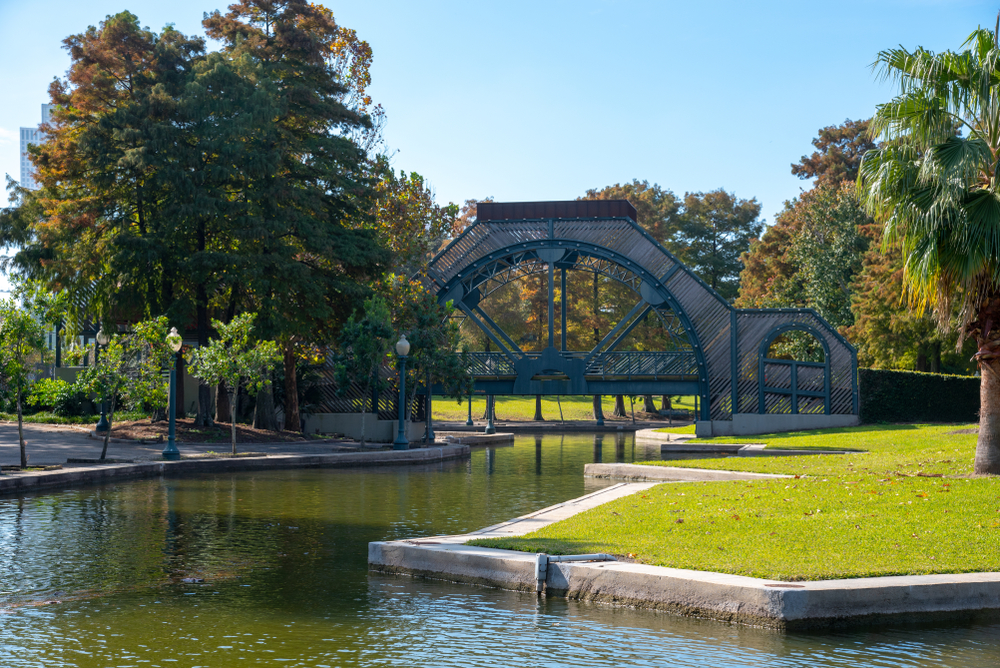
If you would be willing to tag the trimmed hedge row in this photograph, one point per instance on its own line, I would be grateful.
(910, 396)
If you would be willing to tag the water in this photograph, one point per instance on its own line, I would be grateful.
(95, 577)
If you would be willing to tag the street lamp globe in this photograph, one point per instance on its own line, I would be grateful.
(174, 340)
(102, 336)
(403, 346)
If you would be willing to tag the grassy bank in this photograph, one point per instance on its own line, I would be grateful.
(522, 408)
(905, 506)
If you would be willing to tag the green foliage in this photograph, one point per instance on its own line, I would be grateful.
(73, 400)
(713, 233)
(130, 369)
(863, 514)
(22, 338)
(235, 359)
(433, 336)
(45, 392)
(364, 347)
(905, 396)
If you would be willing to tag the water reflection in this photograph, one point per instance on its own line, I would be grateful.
(283, 558)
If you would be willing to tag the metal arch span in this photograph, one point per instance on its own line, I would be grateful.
(723, 341)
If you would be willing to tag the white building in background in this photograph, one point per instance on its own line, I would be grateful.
(32, 136)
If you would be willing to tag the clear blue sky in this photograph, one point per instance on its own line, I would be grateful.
(545, 99)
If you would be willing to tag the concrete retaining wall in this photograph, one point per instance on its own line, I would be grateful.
(755, 423)
(23, 482)
(349, 424)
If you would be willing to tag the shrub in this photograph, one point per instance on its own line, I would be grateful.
(72, 400)
(44, 393)
(910, 396)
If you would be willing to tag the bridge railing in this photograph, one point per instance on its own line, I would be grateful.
(617, 364)
(644, 363)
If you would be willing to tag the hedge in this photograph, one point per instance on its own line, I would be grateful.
(910, 396)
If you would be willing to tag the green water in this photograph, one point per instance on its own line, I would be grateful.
(95, 577)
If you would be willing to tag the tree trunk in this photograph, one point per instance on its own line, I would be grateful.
(988, 444)
(159, 415)
(538, 408)
(291, 390)
(20, 430)
(598, 408)
(223, 404)
(620, 406)
(648, 405)
(665, 404)
(263, 414)
(936, 357)
(232, 425)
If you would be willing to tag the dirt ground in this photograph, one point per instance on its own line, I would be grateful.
(145, 430)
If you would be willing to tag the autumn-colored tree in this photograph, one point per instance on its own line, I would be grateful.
(657, 209)
(839, 150)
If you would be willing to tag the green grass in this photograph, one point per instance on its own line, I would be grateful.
(522, 408)
(906, 506)
(689, 429)
(52, 418)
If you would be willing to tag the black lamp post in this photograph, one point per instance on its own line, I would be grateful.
(101, 339)
(402, 349)
(174, 342)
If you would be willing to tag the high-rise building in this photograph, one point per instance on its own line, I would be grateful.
(32, 136)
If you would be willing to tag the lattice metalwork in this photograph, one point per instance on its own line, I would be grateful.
(718, 348)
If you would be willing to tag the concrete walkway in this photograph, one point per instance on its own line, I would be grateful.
(54, 444)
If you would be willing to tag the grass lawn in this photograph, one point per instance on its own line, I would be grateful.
(522, 408)
(908, 505)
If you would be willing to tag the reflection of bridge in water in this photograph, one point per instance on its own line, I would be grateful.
(711, 350)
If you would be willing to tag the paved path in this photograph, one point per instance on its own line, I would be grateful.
(54, 444)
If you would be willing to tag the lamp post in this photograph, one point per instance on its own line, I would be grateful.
(101, 339)
(469, 423)
(490, 407)
(174, 342)
(402, 349)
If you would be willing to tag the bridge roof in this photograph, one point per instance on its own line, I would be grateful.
(591, 208)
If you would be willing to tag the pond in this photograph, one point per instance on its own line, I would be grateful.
(275, 565)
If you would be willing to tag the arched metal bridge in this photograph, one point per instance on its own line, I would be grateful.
(716, 352)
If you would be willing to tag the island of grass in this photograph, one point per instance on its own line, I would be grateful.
(905, 504)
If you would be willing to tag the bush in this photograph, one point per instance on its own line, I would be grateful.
(910, 396)
(44, 393)
(72, 400)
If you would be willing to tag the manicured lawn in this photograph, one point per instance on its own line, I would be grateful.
(906, 506)
(522, 408)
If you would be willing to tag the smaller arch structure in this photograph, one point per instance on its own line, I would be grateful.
(716, 352)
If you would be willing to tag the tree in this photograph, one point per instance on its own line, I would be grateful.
(407, 217)
(365, 343)
(936, 194)
(311, 252)
(433, 336)
(657, 209)
(22, 338)
(715, 229)
(130, 368)
(840, 149)
(821, 246)
(236, 360)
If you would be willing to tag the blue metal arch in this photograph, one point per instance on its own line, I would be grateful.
(762, 359)
(594, 250)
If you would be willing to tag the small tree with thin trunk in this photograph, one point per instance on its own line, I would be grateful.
(21, 339)
(364, 344)
(130, 369)
(236, 360)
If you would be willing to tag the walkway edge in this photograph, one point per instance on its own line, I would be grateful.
(670, 473)
(719, 596)
(102, 473)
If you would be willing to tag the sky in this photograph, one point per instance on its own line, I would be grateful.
(545, 99)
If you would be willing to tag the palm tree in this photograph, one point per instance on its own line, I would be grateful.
(934, 184)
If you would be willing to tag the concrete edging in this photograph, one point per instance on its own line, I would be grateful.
(639, 472)
(719, 596)
(26, 482)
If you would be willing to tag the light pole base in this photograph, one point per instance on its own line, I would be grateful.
(404, 445)
(171, 453)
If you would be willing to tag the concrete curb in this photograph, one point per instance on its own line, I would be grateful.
(669, 473)
(719, 596)
(26, 482)
(473, 438)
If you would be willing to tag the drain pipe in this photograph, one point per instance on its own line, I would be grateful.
(542, 564)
